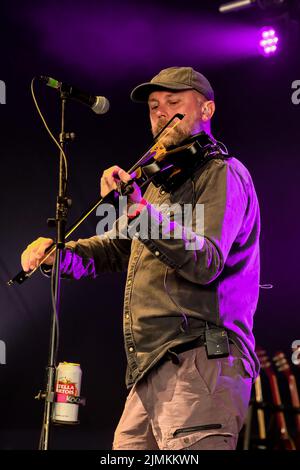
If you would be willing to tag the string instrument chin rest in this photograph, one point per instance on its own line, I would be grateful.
(171, 168)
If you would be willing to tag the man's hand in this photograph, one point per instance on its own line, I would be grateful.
(31, 257)
(112, 176)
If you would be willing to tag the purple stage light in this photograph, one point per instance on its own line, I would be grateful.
(268, 41)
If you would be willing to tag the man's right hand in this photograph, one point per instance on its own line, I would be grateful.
(31, 257)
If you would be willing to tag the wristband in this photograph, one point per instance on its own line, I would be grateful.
(140, 206)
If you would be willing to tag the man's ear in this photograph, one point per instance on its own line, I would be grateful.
(208, 109)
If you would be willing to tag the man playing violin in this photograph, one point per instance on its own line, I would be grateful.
(188, 313)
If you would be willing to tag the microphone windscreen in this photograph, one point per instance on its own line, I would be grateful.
(101, 105)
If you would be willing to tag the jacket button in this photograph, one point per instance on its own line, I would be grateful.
(130, 349)
(157, 253)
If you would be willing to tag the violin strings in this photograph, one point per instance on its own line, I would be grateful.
(148, 153)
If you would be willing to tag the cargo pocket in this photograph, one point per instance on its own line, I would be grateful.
(203, 437)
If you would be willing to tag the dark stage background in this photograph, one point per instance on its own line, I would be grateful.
(107, 48)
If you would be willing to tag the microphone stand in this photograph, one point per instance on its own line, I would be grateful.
(62, 205)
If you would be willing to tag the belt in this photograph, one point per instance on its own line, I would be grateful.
(171, 354)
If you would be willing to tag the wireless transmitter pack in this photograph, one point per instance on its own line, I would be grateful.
(216, 343)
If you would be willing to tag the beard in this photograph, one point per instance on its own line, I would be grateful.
(174, 136)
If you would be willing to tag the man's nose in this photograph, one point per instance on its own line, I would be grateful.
(162, 112)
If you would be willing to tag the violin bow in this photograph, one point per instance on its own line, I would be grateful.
(109, 198)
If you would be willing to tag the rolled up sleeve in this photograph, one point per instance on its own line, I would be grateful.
(86, 258)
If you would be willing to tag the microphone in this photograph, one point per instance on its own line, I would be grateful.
(99, 104)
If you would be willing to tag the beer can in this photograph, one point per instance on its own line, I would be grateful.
(67, 388)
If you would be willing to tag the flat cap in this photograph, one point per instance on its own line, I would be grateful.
(174, 78)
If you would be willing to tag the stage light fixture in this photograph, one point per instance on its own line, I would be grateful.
(268, 42)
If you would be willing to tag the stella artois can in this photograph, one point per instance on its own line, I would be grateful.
(67, 393)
